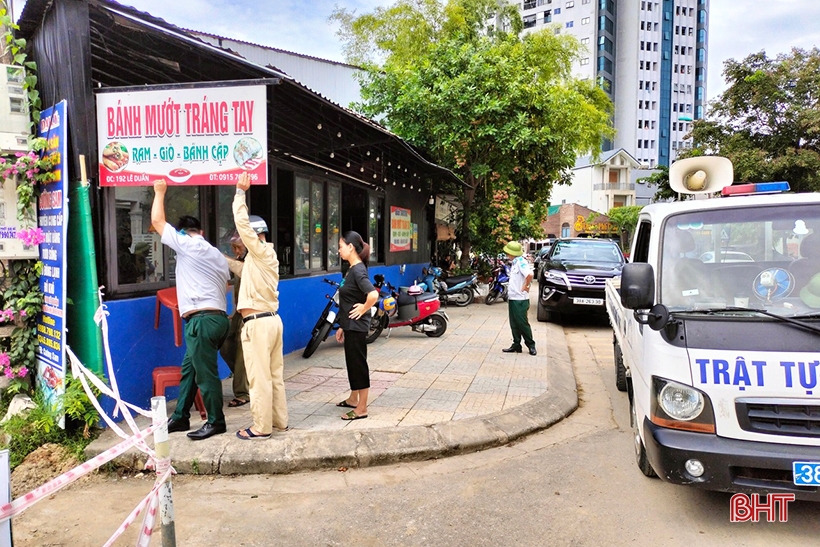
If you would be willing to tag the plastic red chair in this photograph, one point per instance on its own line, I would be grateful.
(168, 298)
(165, 377)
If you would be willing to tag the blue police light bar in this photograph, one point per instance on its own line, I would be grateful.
(755, 188)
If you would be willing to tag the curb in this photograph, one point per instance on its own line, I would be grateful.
(313, 450)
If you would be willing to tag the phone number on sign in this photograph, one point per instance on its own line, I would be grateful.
(230, 177)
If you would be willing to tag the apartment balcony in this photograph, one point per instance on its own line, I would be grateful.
(608, 187)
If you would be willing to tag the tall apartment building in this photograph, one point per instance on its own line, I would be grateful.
(649, 55)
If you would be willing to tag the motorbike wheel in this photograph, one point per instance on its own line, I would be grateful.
(491, 297)
(318, 337)
(464, 297)
(376, 328)
(440, 324)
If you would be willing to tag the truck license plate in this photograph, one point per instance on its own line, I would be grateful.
(806, 473)
(589, 301)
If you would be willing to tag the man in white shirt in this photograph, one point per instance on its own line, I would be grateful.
(519, 298)
(202, 279)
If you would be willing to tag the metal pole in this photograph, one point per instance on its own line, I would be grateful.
(163, 450)
(5, 497)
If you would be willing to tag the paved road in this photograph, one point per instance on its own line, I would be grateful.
(574, 484)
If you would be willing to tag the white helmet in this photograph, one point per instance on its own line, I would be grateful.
(258, 224)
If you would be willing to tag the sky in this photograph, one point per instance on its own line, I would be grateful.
(737, 28)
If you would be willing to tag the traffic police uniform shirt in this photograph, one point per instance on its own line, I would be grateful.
(519, 271)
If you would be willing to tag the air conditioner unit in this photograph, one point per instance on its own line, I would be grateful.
(14, 114)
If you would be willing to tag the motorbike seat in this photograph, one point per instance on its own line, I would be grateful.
(456, 279)
(405, 299)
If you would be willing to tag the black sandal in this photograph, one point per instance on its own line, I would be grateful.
(345, 404)
(237, 402)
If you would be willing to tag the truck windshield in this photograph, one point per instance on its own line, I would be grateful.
(754, 257)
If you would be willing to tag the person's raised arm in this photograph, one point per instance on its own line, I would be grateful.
(158, 207)
(242, 220)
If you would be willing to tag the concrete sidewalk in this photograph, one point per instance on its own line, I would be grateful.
(429, 398)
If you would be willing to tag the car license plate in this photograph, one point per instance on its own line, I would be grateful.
(806, 473)
(588, 301)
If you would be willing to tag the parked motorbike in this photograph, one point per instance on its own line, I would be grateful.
(327, 320)
(499, 284)
(458, 289)
(416, 309)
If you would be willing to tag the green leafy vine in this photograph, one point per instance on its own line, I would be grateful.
(22, 299)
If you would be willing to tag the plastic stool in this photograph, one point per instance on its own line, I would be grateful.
(168, 298)
(165, 377)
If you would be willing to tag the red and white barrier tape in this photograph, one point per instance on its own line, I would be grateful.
(136, 439)
(22, 503)
(152, 500)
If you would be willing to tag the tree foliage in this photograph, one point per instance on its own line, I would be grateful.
(660, 178)
(768, 119)
(502, 110)
(626, 220)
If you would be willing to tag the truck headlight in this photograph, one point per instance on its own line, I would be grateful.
(678, 406)
(680, 402)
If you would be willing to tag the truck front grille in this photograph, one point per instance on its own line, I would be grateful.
(779, 418)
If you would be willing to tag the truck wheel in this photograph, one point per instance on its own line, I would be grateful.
(543, 314)
(317, 339)
(640, 450)
(620, 369)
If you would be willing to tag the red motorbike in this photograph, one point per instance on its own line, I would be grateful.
(415, 309)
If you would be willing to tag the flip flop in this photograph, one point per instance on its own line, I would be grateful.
(250, 435)
(345, 404)
(353, 416)
(235, 402)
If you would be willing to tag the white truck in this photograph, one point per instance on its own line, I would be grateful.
(716, 325)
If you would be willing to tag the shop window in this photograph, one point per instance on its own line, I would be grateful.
(301, 248)
(317, 207)
(334, 225)
(374, 227)
(141, 257)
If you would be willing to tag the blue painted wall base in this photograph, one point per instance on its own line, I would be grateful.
(136, 348)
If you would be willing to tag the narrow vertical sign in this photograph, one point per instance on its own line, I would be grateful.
(53, 219)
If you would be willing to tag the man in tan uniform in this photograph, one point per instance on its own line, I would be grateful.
(262, 327)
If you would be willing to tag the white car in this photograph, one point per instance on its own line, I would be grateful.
(726, 256)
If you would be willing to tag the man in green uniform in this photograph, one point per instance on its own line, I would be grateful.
(202, 278)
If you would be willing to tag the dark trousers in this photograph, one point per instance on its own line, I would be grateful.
(203, 336)
(356, 360)
(519, 324)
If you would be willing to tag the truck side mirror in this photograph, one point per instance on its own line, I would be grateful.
(637, 286)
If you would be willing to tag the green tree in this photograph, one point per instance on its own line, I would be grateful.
(502, 110)
(660, 178)
(768, 119)
(626, 220)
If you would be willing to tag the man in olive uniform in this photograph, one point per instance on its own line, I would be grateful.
(202, 279)
(519, 298)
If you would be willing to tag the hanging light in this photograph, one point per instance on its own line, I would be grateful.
(332, 155)
(339, 134)
(319, 126)
(432, 200)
